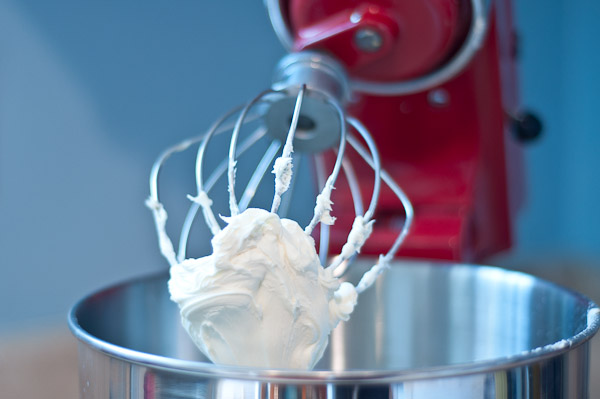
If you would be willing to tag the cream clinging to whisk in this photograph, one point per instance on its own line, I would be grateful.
(262, 279)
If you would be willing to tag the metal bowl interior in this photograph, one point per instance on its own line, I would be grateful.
(420, 320)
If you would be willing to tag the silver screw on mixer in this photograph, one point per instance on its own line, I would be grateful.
(368, 40)
(439, 97)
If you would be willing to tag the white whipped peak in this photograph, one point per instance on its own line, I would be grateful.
(160, 221)
(262, 299)
(205, 202)
(282, 169)
(361, 230)
(283, 174)
(371, 275)
(323, 206)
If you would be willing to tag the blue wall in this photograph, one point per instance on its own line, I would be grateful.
(91, 92)
(560, 64)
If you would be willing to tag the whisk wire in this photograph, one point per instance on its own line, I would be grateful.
(376, 163)
(201, 197)
(233, 205)
(383, 263)
(341, 265)
(363, 225)
(284, 178)
(283, 165)
(217, 173)
(359, 207)
(323, 202)
(287, 200)
(324, 229)
(259, 174)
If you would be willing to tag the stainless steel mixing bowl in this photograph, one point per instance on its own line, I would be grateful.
(425, 330)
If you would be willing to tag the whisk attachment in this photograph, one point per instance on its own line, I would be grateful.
(301, 115)
(303, 111)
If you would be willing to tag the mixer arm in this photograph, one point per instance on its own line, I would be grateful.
(433, 81)
(372, 32)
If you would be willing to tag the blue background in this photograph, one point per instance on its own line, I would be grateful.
(91, 92)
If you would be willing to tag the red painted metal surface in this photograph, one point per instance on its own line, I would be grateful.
(417, 35)
(456, 161)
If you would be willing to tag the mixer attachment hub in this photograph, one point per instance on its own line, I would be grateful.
(318, 125)
(314, 70)
(324, 78)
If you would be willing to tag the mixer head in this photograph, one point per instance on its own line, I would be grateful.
(389, 47)
(435, 83)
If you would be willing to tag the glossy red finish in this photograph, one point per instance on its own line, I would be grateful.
(457, 161)
(417, 36)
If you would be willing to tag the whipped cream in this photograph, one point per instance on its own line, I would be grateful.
(262, 298)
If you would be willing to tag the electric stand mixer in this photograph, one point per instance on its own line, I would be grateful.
(435, 84)
(432, 85)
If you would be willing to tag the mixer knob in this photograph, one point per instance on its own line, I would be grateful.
(526, 126)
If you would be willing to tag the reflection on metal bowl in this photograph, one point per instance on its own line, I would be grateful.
(425, 330)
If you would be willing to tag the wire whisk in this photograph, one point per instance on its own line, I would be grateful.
(312, 88)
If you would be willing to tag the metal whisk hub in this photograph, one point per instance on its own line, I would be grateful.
(318, 125)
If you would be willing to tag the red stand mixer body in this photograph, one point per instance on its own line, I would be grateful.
(448, 146)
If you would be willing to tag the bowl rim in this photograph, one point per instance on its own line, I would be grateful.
(364, 376)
